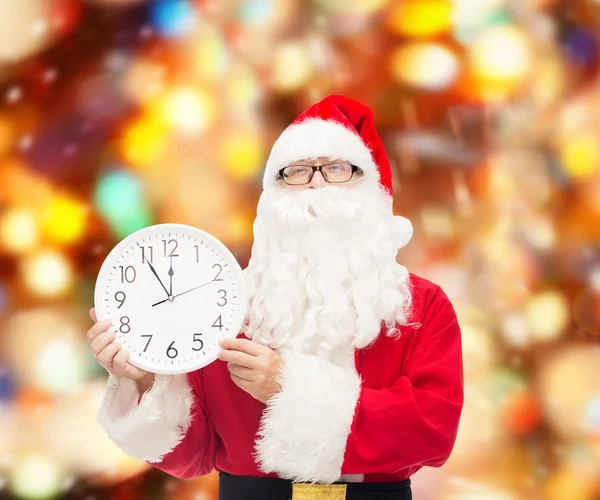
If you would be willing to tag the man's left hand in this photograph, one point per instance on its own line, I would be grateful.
(253, 367)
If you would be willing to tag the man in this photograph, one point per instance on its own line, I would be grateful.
(353, 374)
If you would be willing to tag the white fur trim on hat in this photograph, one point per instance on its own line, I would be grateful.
(153, 427)
(403, 230)
(314, 138)
(305, 427)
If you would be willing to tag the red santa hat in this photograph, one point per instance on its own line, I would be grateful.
(337, 127)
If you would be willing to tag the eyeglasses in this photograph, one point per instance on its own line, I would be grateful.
(335, 172)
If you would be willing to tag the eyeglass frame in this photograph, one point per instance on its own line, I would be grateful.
(319, 168)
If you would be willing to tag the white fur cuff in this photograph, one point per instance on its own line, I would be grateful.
(154, 427)
(305, 427)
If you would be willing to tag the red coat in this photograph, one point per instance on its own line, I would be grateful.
(395, 412)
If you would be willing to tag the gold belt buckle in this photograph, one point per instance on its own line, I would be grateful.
(301, 491)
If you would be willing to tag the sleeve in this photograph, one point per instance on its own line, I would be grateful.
(304, 428)
(324, 424)
(167, 427)
(414, 422)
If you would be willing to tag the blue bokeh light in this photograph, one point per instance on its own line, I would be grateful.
(120, 199)
(173, 18)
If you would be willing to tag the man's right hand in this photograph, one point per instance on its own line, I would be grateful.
(113, 357)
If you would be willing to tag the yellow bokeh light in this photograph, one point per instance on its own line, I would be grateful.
(292, 66)
(477, 342)
(421, 18)
(189, 110)
(499, 58)
(570, 481)
(144, 142)
(209, 56)
(18, 230)
(242, 91)
(36, 476)
(64, 220)
(241, 155)
(362, 7)
(547, 315)
(47, 273)
(427, 65)
(567, 384)
(580, 156)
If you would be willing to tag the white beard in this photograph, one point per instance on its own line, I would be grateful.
(323, 276)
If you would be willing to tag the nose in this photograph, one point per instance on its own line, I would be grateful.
(317, 181)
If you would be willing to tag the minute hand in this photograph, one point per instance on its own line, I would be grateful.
(190, 290)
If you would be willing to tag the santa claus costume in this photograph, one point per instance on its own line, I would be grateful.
(372, 377)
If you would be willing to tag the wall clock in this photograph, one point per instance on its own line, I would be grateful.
(172, 292)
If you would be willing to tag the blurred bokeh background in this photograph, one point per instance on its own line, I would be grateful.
(117, 114)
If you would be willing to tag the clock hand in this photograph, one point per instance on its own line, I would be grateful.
(171, 273)
(190, 290)
(155, 274)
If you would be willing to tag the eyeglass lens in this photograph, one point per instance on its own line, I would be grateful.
(333, 172)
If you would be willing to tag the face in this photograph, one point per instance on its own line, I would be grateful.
(318, 181)
(331, 256)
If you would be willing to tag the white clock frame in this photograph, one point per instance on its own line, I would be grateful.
(189, 307)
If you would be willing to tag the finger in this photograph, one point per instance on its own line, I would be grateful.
(101, 342)
(239, 358)
(241, 372)
(122, 365)
(120, 361)
(244, 345)
(135, 372)
(93, 314)
(106, 357)
(98, 328)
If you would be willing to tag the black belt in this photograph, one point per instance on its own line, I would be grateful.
(266, 488)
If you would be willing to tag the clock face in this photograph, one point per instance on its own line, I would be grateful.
(172, 292)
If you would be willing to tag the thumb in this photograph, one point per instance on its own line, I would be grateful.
(93, 314)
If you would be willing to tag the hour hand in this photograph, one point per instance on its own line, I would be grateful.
(156, 274)
(161, 302)
(171, 273)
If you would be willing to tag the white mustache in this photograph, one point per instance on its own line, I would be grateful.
(329, 202)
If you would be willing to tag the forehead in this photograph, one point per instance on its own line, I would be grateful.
(321, 160)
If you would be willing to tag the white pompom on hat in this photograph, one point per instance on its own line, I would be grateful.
(403, 230)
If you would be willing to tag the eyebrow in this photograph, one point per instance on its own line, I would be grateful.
(306, 162)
